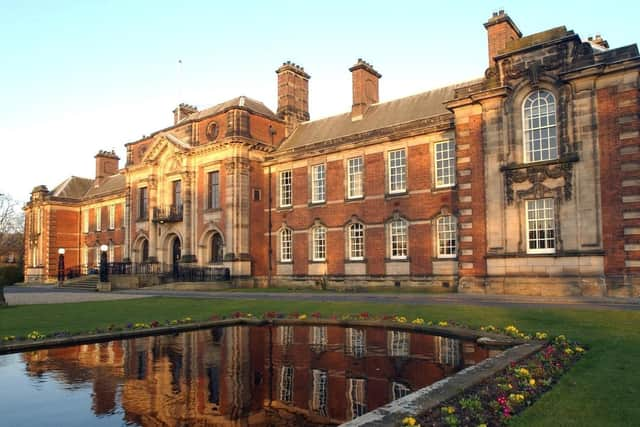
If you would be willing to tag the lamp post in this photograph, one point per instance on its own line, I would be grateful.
(104, 275)
(60, 266)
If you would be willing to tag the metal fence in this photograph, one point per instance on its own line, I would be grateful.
(168, 272)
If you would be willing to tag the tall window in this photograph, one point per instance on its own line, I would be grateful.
(112, 217)
(285, 188)
(541, 234)
(111, 255)
(85, 221)
(445, 163)
(214, 190)
(285, 335)
(177, 194)
(447, 351)
(355, 342)
(398, 238)
(319, 391)
(217, 250)
(317, 184)
(319, 236)
(357, 396)
(447, 236)
(143, 203)
(398, 343)
(318, 338)
(285, 245)
(539, 125)
(355, 168)
(98, 219)
(397, 171)
(286, 383)
(356, 241)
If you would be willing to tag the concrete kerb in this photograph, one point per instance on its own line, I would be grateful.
(429, 397)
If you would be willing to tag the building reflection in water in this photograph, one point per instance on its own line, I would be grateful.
(255, 375)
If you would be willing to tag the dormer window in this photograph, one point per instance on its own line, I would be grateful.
(539, 127)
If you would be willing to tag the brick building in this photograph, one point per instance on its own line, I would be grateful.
(526, 180)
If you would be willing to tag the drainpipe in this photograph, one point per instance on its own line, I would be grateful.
(272, 132)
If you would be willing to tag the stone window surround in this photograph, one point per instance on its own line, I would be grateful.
(525, 151)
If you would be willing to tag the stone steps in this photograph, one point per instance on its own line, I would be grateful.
(88, 283)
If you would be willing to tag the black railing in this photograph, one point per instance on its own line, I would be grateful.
(164, 214)
(169, 272)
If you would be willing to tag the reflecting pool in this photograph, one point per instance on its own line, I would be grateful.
(237, 375)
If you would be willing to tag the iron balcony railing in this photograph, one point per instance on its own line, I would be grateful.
(172, 213)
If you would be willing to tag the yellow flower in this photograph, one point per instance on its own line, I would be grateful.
(302, 316)
(568, 351)
(532, 382)
(400, 319)
(449, 410)
(579, 349)
(443, 323)
(516, 397)
(418, 321)
(409, 421)
(541, 335)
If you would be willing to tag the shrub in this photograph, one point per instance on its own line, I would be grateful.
(10, 274)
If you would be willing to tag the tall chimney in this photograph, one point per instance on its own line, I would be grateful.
(500, 31)
(293, 95)
(365, 88)
(182, 111)
(106, 165)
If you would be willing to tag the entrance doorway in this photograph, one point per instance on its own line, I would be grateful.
(176, 253)
(216, 249)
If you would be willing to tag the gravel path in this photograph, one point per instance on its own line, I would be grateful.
(33, 295)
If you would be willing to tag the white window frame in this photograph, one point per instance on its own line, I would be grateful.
(286, 245)
(286, 383)
(399, 390)
(397, 171)
(543, 211)
(285, 335)
(318, 337)
(447, 237)
(318, 183)
(357, 396)
(319, 391)
(444, 163)
(398, 343)
(99, 219)
(111, 252)
(398, 242)
(355, 238)
(112, 217)
(285, 179)
(356, 342)
(448, 351)
(539, 125)
(319, 243)
(355, 175)
(97, 260)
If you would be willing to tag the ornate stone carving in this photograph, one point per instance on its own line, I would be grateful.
(537, 175)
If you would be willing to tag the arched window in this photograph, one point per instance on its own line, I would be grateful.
(398, 239)
(356, 241)
(217, 252)
(285, 245)
(446, 233)
(319, 243)
(539, 126)
(145, 250)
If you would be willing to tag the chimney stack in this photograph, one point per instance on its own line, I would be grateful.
(500, 31)
(293, 95)
(182, 111)
(365, 88)
(598, 43)
(106, 165)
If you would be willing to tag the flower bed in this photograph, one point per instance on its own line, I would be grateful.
(496, 400)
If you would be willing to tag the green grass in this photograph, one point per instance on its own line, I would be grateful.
(602, 389)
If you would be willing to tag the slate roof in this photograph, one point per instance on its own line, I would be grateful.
(72, 188)
(420, 106)
(76, 188)
(240, 101)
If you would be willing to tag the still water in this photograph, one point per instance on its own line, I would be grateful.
(239, 375)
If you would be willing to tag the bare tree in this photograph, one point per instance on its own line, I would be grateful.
(11, 235)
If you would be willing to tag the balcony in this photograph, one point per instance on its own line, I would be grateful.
(163, 214)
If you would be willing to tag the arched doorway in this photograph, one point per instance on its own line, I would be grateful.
(144, 251)
(176, 253)
(217, 251)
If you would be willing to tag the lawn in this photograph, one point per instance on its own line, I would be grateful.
(602, 389)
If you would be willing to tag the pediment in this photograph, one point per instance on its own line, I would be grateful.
(165, 143)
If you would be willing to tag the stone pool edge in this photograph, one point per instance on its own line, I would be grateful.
(392, 414)
(488, 339)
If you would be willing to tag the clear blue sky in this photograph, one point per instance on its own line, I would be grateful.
(80, 76)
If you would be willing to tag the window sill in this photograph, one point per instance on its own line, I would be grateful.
(317, 261)
(565, 158)
(355, 261)
(354, 199)
(286, 208)
(318, 203)
(404, 259)
(290, 262)
(399, 194)
(212, 210)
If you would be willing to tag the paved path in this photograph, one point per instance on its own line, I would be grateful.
(39, 295)
(49, 295)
